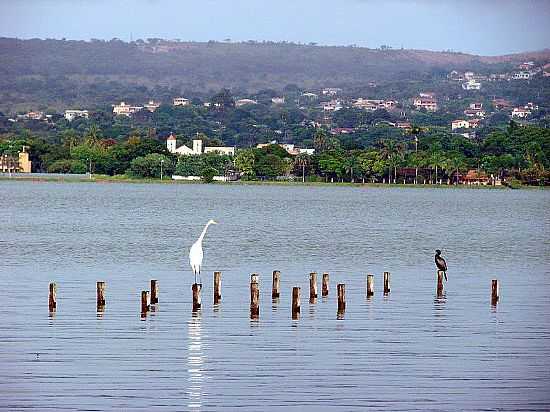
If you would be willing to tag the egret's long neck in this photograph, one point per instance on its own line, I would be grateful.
(201, 237)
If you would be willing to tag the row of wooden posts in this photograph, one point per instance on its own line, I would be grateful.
(149, 299)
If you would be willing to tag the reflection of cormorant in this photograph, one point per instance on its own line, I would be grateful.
(440, 263)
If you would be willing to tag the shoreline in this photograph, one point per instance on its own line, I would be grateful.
(129, 180)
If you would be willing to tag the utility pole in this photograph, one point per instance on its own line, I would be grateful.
(416, 153)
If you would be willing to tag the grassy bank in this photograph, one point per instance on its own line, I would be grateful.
(128, 179)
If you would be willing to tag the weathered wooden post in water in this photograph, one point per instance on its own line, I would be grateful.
(100, 286)
(386, 283)
(440, 283)
(312, 287)
(370, 285)
(254, 297)
(341, 289)
(52, 297)
(196, 288)
(494, 292)
(144, 302)
(295, 303)
(154, 292)
(217, 287)
(324, 290)
(276, 289)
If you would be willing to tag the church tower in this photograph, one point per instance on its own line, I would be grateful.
(171, 143)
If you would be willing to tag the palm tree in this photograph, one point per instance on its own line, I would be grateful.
(349, 164)
(387, 152)
(302, 160)
(456, 163)
(93, 135)
(436, 160)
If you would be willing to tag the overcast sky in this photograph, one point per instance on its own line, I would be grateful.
(488, 27)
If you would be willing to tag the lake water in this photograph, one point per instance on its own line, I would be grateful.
(405, 351)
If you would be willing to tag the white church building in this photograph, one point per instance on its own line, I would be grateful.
(171, 144)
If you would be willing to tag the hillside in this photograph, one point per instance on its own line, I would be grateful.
(54, 73)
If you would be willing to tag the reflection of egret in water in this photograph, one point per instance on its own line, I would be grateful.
(194, 362)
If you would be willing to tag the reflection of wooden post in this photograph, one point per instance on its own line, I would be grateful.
(276, 291)
(154, 292)
(341, 289)
(254, 297)
(439, 283)
(386, 283)
(324, 290)
(370, 285)
(144, 302)
(196, 288)
(100, 295)
(494, 291)
(295, 302)
(217, 287)
(312, 286)
(52, 298)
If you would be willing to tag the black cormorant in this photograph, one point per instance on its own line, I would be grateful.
(440, 263)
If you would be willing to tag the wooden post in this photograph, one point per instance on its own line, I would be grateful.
(144, 302)
(439, 283)
(276, 291)
(341, 289)
(370, 285)
(324, 290)
(52, 298)
(154, 292)
(494, 291)
(386, 283)
(295, 303)
(254, 296)
(100, 296)
(312, 287)
(217, 287)
(196, 288)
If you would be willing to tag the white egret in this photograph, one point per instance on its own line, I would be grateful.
(196, 254)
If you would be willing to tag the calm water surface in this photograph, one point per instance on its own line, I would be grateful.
(406, 351)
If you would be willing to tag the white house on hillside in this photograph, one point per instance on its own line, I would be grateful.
(171, 145)
(70, 115)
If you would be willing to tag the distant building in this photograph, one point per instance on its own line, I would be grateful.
(500, 104)
(181, 101)
(278, 100)
(374, 104)
(171, 145)
(290, 148)
(124, 109)
(403, 125)
(474, 113)
(331, 91)
(476, 106)
(311, 96)
(31, 116)
(70, 115)
(471, 85)
(428, 103)
(522, 75)
(474, 123)
(460, 124)
(19, 164)
(520, 113)
(332, 106)
(152, 106)
(342, 130)
(244, 102)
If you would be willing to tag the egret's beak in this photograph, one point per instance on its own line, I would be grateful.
(214, 222)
